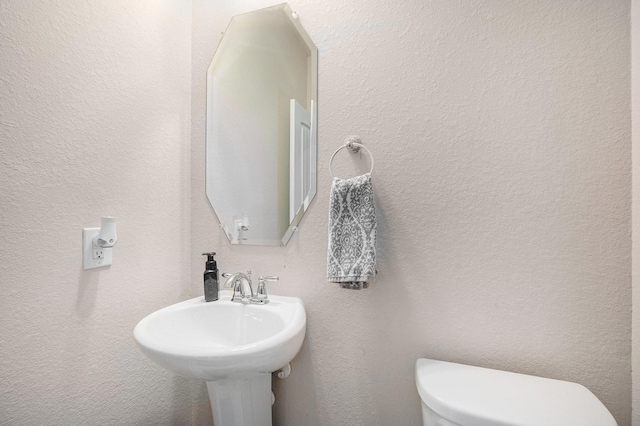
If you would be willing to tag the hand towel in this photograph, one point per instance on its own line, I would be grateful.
(351, 257)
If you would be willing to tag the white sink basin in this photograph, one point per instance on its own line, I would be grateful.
(217, 340)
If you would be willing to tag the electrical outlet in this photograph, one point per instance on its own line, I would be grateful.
(94, 256)
(98, 252)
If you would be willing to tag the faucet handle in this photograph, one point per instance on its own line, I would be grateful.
(262, 297)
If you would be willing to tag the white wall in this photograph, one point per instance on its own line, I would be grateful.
(94, 120)
(501, 132)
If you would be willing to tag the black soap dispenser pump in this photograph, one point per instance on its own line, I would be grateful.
(210, 278)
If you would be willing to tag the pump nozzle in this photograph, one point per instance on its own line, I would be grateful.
(211, 262)
(209, 255)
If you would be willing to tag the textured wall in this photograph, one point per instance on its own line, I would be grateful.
(501, 132)
(94, 120)
(635, 97)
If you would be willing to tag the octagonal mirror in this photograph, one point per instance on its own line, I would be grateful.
(262, 126)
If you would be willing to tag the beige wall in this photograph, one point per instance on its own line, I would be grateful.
(501, 132)
(94, 120)
(635, 98)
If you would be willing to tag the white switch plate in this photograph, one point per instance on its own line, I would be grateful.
(102, 256)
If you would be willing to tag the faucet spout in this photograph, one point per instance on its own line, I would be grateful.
(241, 283)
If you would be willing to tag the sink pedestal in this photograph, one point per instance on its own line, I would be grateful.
(241, 401)
(232, 346)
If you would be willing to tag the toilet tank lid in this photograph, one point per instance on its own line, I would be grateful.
(484, 397)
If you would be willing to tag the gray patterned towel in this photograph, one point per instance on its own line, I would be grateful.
(351, 258)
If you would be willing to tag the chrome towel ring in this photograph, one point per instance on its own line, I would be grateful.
(353, 144)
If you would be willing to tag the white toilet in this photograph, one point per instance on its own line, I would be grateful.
(462, 395)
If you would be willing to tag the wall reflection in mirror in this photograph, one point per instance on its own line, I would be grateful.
(262, 126)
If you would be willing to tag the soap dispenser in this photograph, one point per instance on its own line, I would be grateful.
(210, 278)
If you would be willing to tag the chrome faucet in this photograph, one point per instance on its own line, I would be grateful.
(238, 281)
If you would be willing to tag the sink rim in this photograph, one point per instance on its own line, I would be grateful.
(294, 323)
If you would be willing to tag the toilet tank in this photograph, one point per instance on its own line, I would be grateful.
(462, 395)
(431, 418)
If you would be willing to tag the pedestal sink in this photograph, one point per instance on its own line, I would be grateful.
(234, 347)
